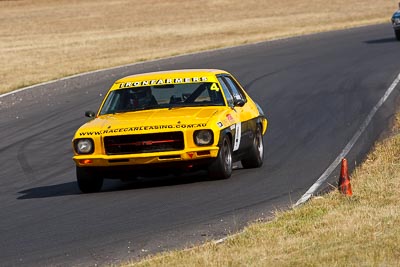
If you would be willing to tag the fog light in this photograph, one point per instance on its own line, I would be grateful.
(85, 161)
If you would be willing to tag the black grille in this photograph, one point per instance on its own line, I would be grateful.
(143, 143)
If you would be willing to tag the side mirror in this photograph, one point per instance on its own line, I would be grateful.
(239, 103)
(90, 114)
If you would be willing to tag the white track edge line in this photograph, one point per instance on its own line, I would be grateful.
(349, 145)
(178, 56)
(137, 63)
(75, 76)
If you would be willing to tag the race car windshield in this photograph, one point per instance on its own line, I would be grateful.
(163, 96)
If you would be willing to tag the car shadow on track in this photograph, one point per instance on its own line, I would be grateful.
(58, 190)
(71, 188)
(382, 41)
(152, 182)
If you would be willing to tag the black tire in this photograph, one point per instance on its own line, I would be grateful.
(89, 180)
(397, 33)
(221, 167)
(256, 154)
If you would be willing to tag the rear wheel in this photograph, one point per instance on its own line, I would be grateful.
(397, 33)
(89, 180)
(256, 154)
(221, 168)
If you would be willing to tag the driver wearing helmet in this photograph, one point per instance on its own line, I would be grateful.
(141, 98)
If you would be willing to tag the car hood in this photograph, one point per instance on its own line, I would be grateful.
(151, 120)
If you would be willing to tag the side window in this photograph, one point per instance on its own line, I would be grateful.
(236, 90)
(227, 93)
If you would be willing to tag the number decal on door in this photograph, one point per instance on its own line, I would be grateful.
(238, 135)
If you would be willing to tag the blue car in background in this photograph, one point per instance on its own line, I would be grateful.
(396, 23)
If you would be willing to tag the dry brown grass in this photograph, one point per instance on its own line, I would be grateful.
(44, 39)
(331, 231)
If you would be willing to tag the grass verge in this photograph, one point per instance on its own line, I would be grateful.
(43, 40)
(333, 230)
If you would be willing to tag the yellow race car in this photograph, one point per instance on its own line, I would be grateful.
(167, 123)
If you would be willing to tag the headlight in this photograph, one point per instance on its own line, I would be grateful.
(84, 146)
(203, 137)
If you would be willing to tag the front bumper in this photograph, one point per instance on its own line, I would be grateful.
(95, 160)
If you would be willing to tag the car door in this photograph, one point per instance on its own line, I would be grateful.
(236, 99)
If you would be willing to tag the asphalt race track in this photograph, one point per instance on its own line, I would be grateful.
(316, 91)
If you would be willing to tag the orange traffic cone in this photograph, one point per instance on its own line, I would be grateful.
(344, 180)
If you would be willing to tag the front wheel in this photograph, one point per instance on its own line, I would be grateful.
(256, 154)
(221, 168)
(397, 33)
(89, 180)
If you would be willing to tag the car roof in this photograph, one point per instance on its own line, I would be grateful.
(172, 74)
